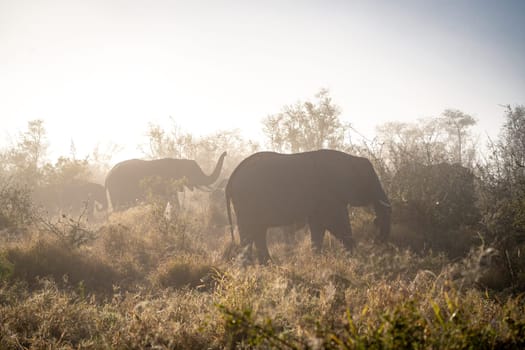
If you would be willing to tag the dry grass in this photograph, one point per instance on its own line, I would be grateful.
(51, 258)
(148, 282)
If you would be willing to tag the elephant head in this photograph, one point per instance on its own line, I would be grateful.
(125, 181)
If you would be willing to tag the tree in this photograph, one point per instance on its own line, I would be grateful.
(504, 179)
(24, 159)
(457, 125)
(168, 144)
(209, 147)
(430, 140)
(67, 170)
(307, 126)
(512, 145)
(503, 193)
(177, 143)
(420, 142)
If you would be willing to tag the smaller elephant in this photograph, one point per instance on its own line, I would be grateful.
(71, 198)
(129, 181)
(270, 189)
(492, 270)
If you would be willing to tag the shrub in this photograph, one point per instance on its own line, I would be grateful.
(179, 273)
(16, 211)
(69, 267)
(6, 268)
(70, 231)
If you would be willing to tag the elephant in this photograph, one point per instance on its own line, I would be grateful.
(438, 203)
(125, 181)
(71, 198)
(270, 189)
(440, 196)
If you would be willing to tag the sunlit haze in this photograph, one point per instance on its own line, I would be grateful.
(98, 72)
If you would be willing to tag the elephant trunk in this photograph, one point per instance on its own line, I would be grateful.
(210, 179)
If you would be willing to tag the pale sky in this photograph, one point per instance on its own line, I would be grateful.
(99, 71)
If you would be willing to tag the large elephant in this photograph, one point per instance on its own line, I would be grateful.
(125, 181)
(271, 189)
(71, 198)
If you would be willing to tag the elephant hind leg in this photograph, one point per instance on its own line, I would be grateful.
(250, 234)
(246, 242)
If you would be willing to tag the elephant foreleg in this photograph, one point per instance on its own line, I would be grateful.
(340, 227)
(262, 247)
(317, 229)
(244, 233)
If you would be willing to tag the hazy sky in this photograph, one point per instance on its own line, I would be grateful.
(100, 71)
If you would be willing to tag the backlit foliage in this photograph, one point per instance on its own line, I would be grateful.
(307, 126)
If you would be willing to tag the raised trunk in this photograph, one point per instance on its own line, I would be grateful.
(209, 179)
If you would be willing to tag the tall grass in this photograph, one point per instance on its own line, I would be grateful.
(144, 281)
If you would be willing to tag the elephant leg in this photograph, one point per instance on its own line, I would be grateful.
(246, 241)
(340, 227)
(244, 233)
(317, 229)
(259, 236)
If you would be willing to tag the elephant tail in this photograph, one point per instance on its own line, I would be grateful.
(228, 209)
